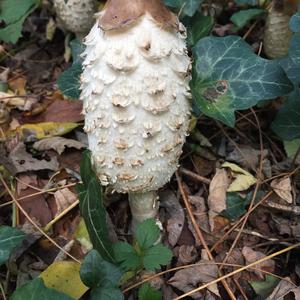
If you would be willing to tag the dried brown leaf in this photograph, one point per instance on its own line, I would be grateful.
(58, 144)
(283, 188)
(188, 279)
(63, 199)
(283, 289)
(253, 256)
(175, 216)
(217, 195)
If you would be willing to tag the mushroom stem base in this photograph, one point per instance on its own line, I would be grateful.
(143, 206)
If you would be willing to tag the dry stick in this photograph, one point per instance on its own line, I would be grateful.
(264, 134)
(195, 176)
(33, 223)
(40, 193)
(255, 191)
(199, 232)
(241, 220)
(289, 174)
(239, 270)
(201, 264)
(62, 214)
(2, 292)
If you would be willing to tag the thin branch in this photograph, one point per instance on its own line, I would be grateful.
(199, 232)
(33, 223)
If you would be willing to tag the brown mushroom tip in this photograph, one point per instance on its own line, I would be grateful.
(119, 13)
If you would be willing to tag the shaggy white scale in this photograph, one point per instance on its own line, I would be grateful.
(137, 107)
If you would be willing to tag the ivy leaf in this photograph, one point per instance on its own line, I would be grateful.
(127, 256)
(235, 206)
(92, 208)
(249, 2)
(266, 287)
(295, 21)
(291, 63)
(185, 7)
(157, 256)
(96, 272)
(147, 292)
(243, 17)
(69, 81)
(228, 76)
(13, 13)
(10, 238)
(106, 294)
(287, 122)
(77, 48)
(147, 233)
(36, 290)
(198, 27)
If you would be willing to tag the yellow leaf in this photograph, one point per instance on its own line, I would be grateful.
(242, 179)
(33, 132)
(82, 236)
(193, 123)
(50, 29)
(64, 277)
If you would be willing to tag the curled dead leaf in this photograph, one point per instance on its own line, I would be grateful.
(217, 195)
(58, 144)
(283, 188)
(188, 279)
(253, 256)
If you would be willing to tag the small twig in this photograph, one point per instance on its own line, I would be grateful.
(225, 235)
(61, 215)
(295, 209)
(199, 232)
(40, 193)
(201, 264)
(32, 222)
(255, 191)
(195, 176)
(239, 270)
(2, 292)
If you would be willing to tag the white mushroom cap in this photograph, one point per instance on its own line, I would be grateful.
(136, 103)
(76, 15)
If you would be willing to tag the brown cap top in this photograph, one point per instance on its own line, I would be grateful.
(119, 13)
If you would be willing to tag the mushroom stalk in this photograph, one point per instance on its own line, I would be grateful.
(143, 206)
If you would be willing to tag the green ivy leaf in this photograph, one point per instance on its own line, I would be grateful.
(36, 290)
(266, 287)
(157, 256)
(69, 81)
(295, 21)
(147, 292)
(14, 13)
(96, 272)
(127, 256)
(92, 208)
(147, 233)
(235, 206)
(106, 294)
(248, 2)
(291, 148)
(291, 62)
(243, 17)
(228, 76)
(10, 238)
(199, 27)
(77, 48)
(287, 122)
(185, 7)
